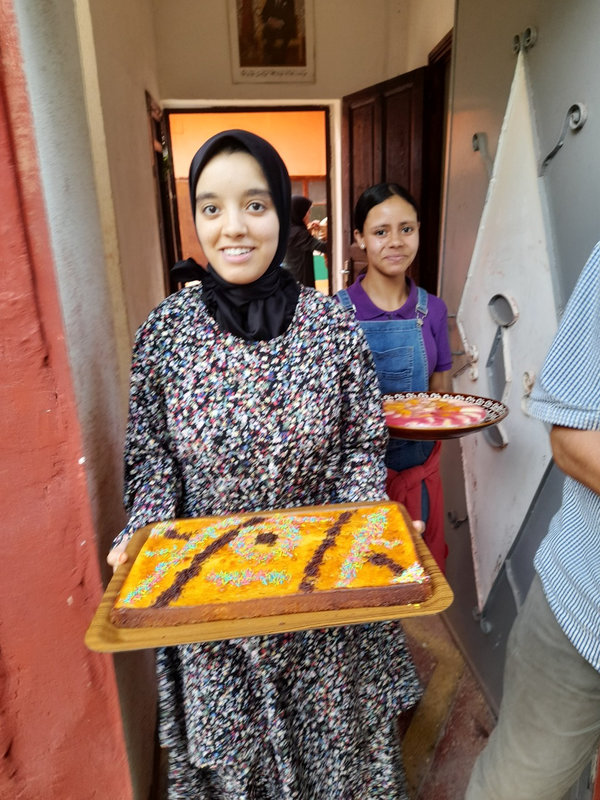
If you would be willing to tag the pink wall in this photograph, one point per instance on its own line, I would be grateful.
(60, 727)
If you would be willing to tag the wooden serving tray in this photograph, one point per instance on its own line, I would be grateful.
(104, 636)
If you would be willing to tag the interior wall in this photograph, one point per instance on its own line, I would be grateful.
(357, 43)
(60, 725)
(93, 310)
(51, 62)
(126, 68)
(298, 136)
(426, 23)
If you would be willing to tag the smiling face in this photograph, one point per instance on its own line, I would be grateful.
(236, 221)
(390, 236)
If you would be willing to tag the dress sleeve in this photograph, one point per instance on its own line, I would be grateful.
(303, 240)
(362, 472)
(152, 479)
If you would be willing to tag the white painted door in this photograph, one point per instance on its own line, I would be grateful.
(506, 320)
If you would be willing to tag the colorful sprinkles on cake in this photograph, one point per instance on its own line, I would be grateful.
(284, 553)
(247, 576)
(172, 555)
(364, 539)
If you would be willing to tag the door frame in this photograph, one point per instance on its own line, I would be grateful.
(164, 188)
(437, 95)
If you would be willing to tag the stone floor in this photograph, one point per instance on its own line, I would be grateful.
(451, 723)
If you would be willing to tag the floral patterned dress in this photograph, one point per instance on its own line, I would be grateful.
(218, 425)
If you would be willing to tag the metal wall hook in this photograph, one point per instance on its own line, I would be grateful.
(484, 623)
(524, 40)
(479, 143)
(575, 120)
(455, 521)
(529, 37)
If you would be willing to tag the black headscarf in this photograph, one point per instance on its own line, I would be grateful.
(263, 309)
(300, 207)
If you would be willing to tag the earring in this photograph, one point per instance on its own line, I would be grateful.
(362, 247)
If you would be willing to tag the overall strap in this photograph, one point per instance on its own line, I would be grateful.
(421, 309)
(344, 299)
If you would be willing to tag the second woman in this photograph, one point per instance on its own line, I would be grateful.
(407, 332)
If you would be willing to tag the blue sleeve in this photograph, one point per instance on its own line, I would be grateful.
(567, 391)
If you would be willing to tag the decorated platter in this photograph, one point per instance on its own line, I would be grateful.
(431, 415)
(109, 632)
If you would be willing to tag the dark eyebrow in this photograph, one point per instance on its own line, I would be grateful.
(250, 193)
(265, 192)
(388, 224)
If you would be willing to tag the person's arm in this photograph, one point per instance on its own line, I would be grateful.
(440, 382)
(152, 482)
(319, 245)
(301, 239)
(577, 453)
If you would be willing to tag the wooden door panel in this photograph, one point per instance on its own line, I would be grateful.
(395, 131)
(381, 141)
(403, 134)
(364, 160)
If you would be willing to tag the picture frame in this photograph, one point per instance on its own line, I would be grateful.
(272, 41)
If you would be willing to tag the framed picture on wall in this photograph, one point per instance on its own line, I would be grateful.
(272, 41)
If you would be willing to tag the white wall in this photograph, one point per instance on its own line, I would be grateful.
(428, 22)
(357, 42)
(123, 34)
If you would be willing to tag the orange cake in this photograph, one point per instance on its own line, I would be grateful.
(273, 562)
(432, 412)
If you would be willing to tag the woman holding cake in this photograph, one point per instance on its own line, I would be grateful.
(407, 331)
(251, 392)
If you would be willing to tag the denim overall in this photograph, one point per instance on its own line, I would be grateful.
(401, 361)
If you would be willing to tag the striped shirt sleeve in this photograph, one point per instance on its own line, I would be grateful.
(567, 392)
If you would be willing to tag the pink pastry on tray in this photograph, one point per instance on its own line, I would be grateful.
(433, 412)
(431, 415)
